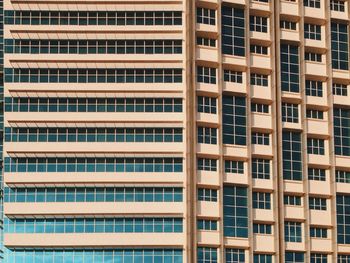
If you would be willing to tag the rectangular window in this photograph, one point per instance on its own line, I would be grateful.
(258, 24)
(317, 203)
(206, 194)
(292, 156)
(233, 76)
(257, 49)
(136, 104)
(259, 79)
(206, 75)
(315, 57)
(233, 31)
(315, 146)
(316, 174)
(314, 114)
(341, 131)
(340, 46)
(94, 225)
(343, 258)
(94, 194)
(290, 68)
(101, 18)
(343, 218)
(235, 211)
(342, 176)
(293, 200)
(294, 257)
(234, 120)
(94, 165)
(261, 200)
(205, 164)
(340, 89)
(101, 255)
(289, 25)
(318, 258)
(74, 46)
(262, 258)
(313, 88)
(203, 41)
(257, 107)
(93, 75)
(234, 255)
(207, 255)
(206, 104)
(260, 168)
(205, 16)
(210, 225)
(207, 135)
(312, 3)
(290, 112)
(235, 167)
(337, 5)
(312, 31)
(262, 229)
(292, 231)
(318, 232)
(260, 138)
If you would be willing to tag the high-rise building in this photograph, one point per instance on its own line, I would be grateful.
(176, 131)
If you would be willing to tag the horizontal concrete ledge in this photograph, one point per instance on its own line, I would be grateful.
(174, 240)
(95, 208)
(83, 179)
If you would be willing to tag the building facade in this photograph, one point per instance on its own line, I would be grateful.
(173, 131)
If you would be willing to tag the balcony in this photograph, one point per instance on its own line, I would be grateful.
(295, 246)
(319, 159)
(235, 87)
(204, 148)
(234, 60)
(235, 150)
(207, 88)
(291, 35)
(316, 68)
(321, 244)
(294, 212)
(208, 209)
(208, 178)
(319, 187)
(260, 120)
(236, 178)
(319, 127)
(206, 28)
(319, 101)
(260, 35)
(261, 6)
(208, 238)
(263, 214)
(289, 8)
(264, 243)
(293, 186)
(342, 161)
(315, 13)
(207, 54)
(262, 183)
(260, 61)
(207, 118)
(341, 100)
(262, 150)
(261, 92)
(321, 217)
